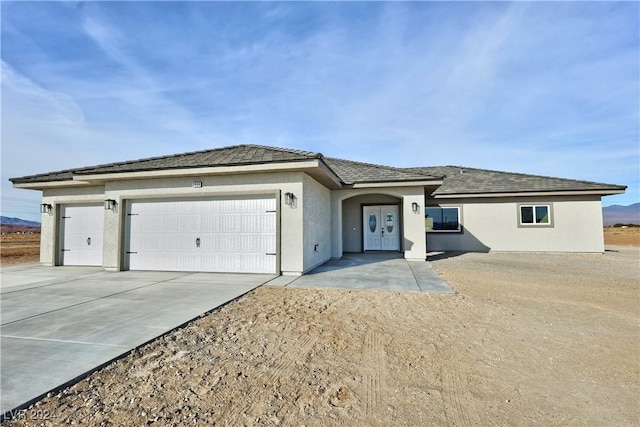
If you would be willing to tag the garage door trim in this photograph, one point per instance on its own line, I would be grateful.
(216, 261)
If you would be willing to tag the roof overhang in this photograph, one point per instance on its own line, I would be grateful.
(43, 185)
(314, 168)
(530, 194)
(395, 184)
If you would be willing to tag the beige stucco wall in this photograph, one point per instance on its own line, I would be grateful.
(413, 242)
(291, 243)
(492, 225)
(49, 238)
(316, 206)
(352, 218)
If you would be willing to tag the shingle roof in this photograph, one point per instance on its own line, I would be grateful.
(470, 181)
(227, 156)
(352, 172)
(464, 180)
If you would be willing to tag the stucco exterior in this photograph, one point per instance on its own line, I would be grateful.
(352, 218)
(492, 224)
(412, 245)
(318, 207)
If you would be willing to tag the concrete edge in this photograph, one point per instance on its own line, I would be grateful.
(11, 413)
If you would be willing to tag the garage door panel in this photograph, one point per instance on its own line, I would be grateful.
(82, 235)
(208, 235)
(238, 243)
(164, 261)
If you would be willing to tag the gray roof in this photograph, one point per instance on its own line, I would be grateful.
(471, 181)
(228, 156)
(465, 180)
(356, 172)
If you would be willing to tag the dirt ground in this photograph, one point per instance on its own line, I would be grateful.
(19, 245)
(527, 339)
(629, 236)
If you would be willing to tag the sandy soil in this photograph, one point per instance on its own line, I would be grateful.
(19, 245)
(528, 339)
(629, 236)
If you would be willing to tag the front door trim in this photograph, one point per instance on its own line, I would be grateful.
(381, 223)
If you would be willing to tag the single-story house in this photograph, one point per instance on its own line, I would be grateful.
(251, 208)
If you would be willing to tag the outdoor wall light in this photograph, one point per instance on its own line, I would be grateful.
(289, 199)
(46, 208)
(415, 207)
(110, 205)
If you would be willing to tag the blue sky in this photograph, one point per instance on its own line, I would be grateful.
(548, 88)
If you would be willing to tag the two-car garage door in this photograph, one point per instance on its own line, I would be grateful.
(233, 235)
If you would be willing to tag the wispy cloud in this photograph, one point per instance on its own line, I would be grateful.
(547, 88)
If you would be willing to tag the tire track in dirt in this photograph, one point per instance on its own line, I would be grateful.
(303, 346)
(456, 391)
(374, 358)
(270, 375)
(456, 396)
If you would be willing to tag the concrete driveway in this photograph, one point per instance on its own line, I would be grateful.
(372, 270)
(58, 323)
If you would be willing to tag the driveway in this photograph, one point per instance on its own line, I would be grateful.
(58, 323)
(371, 270)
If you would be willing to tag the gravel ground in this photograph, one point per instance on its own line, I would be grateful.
(528, 339)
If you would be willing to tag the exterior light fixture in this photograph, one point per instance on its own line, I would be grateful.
(110, 205)
(46, 208)
(289, 199)
(415, 207)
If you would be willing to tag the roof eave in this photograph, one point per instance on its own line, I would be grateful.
(313, 167)
(43, 185)
(593, 192)
(401, 183)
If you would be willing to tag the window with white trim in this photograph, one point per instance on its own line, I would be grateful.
(442, 219)
(535, 215)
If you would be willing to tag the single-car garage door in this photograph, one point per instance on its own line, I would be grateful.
(232, 235)
(82, 229)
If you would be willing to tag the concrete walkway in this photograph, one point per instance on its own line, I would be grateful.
(372, 270)
(57, 323)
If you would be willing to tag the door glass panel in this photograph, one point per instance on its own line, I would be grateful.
(373, 222)
(389, 222)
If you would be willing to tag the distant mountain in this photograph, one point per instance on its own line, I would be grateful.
(5, 220)
(617, 214)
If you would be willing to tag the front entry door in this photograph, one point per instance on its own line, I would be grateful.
(381, 228)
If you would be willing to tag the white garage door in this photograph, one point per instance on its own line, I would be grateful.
(234, 236)
(82, 229)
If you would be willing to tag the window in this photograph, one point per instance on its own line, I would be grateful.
(535, 215)
(442, 219)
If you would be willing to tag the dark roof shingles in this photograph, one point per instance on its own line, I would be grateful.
(354, 172)
(470, 181)
(227, 156)
(463, 180)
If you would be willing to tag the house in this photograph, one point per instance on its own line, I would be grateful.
(250, 208)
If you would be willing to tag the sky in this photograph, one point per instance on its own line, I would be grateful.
(546, 88)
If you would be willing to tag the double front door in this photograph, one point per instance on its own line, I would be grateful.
(381, 227)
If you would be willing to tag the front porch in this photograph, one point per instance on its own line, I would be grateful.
(387, 271)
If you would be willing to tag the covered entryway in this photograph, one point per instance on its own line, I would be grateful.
(231, 235)
(81, 235)
(381, 228)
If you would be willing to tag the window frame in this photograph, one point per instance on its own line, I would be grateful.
(458, 207)
(535, 224)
